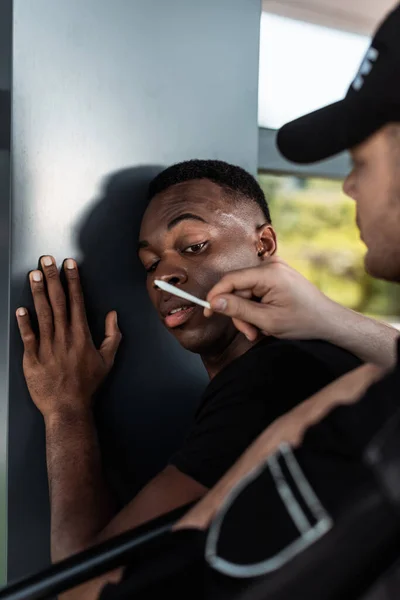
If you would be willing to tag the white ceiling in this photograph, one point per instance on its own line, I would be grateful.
(359, 16)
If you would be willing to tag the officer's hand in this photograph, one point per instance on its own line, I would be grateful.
(287, 306)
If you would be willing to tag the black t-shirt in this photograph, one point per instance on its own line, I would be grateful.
(258, 524)
(332, 457)
(249, 394)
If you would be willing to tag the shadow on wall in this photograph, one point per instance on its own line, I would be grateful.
(146, 405)
(148, 401)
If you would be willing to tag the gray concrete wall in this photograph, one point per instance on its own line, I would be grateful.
(104, 93)
(5, 253)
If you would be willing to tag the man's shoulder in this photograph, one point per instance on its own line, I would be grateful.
(338, 360)
(272, 360)
(288, 364)
(308, 351)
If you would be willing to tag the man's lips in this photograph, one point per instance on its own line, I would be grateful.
(178, 318)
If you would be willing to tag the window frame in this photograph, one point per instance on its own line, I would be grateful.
(271, 161)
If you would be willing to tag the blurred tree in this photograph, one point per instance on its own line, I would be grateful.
(317, 235)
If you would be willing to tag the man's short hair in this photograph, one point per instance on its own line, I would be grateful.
(234, 180)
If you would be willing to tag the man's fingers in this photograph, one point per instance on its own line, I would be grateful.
(111, 342)
(244, 294)
(241, 293)
(79, 322)
(248, 330)
(239, 308)
(258, 280)
(56, 296)
(244, 279)
(248, 280)
(28, 337)
(43, 309)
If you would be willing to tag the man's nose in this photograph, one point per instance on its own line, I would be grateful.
(174, 276)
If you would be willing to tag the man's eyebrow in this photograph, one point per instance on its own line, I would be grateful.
(171, 225)
(184, 217)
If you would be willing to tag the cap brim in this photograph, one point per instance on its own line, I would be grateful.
(329, 130)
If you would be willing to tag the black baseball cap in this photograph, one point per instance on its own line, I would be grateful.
(372, 101)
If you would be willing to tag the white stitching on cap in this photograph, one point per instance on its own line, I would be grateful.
(365, 68)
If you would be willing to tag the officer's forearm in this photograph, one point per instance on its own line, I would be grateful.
(370, 340)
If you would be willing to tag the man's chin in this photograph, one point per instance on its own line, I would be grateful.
(188, 338)
(199, 340)
(372, 267)
(196, 342)
(380, 267)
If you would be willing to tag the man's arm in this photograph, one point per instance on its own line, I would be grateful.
(292, 308)
(81, 514)
(63, 369)
(81, 511)
(372, 341)
(289, 428)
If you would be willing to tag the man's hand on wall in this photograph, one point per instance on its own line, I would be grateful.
(63, 368)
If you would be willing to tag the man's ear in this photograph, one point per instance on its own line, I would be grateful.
(266, 241)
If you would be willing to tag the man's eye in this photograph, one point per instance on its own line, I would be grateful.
(195, 248)
(152, 267)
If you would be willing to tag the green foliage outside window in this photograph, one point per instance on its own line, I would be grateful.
(317, 234)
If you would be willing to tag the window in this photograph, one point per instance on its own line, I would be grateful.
(303, 67)
(317, 235)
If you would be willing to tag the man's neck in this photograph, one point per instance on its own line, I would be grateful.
(236, 346)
